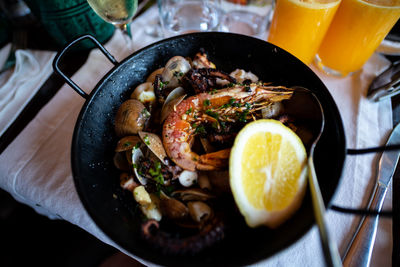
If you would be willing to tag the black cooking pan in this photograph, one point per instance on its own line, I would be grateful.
(96, 178)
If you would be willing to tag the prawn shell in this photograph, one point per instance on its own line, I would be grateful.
(176, 137)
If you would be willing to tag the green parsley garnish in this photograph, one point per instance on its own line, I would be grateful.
(137, 145)
(211, 113)
(189, 111)
(206, 102)
(146, 140)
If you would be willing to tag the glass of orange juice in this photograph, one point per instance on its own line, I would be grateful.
(298, 26)
(357, 29)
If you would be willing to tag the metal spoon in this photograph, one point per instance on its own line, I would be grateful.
(304, 104)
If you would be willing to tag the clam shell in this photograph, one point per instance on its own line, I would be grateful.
(131, 118)
(136, 155)
(192, 194)
(173, 99)
(175, 68)
(120, 161)
(144, 93)
(172, 208)
(154, 143)
(127, 143)
(152, 76)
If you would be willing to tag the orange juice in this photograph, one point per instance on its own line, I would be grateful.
(298, 26)
(356, 31)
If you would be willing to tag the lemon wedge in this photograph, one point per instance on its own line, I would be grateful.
(268, 172)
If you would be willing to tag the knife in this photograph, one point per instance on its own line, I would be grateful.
(359, 250)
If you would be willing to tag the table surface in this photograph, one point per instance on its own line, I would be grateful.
(39, 39)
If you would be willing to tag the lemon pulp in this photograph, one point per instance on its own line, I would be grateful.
(267, 172)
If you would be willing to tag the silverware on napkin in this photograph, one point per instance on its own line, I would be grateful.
(359, 250)
(386, 84)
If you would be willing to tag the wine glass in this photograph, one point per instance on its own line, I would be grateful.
(117, 12)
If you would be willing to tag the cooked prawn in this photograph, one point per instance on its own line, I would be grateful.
(235, 104)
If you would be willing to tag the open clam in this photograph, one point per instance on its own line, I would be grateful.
(137, 154)
(172, 208)
(173, 99)
(127, 143)
(154, 143)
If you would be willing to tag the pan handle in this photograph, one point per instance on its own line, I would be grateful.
(60, 55)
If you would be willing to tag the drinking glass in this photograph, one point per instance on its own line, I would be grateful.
(117, 12)
(357, 29)
(184, 16)
(299, 26)
(249, 17)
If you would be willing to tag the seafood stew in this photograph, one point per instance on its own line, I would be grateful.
(169, 162)
(94, 143)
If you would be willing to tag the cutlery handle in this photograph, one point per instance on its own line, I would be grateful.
(332, 258)
(360, 249)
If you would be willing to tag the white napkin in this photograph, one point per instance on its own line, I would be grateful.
(35, 168)
(19, 84)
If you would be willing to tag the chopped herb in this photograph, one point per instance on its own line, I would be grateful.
(247, 88)
(134, 165)
(211, 113)
(206, 102)
(247, 105)
(145, 113)
(200, 130)
(169, 189)
(213, 91)
(231, 84)
(243, 116)
(178, 74)
(163, 84)
(223, 124)
(146, 140)
(214, 125)
(227, 105)
(137, 145)
(231, 101)
(156, 173)
(189, 111)
(126, 144)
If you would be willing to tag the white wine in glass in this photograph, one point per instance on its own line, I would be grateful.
(116, 12)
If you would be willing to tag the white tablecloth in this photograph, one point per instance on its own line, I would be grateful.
(36, 169)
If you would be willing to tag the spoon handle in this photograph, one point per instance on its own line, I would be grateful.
(329, 247)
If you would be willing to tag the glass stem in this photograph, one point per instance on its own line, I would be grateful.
(124, 29)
